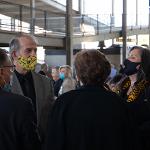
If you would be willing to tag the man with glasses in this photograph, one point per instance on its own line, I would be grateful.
(10, 68)
(17, 118)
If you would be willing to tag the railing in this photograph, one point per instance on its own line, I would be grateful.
(17, 18)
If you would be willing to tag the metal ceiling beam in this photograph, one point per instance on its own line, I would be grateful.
(55, 4)
(108, 35)
(59, 41)
(43, 41)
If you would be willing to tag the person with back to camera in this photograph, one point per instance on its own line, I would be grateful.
(27, 82)
(18, 130)
(90, 117)
(134, 87)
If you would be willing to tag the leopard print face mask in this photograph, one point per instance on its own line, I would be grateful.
(27, 63)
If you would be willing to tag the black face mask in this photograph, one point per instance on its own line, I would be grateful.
(130, 67)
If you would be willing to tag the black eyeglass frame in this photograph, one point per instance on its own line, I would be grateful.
(9, 66)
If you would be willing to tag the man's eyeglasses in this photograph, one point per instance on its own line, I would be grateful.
(12, 67)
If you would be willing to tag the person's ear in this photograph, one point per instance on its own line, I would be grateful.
(14, 54)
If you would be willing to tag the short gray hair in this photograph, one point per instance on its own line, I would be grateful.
(15, 44)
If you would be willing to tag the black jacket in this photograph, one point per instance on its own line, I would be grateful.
(139, 109)
(57, 84)
(17, 123)
(89, 118)
(140, 115)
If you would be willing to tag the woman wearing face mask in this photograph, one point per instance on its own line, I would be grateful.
(134, 87)
(5, 71)
(17, 119)
(69, 83)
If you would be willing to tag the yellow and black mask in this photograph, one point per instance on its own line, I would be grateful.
(27, 63)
